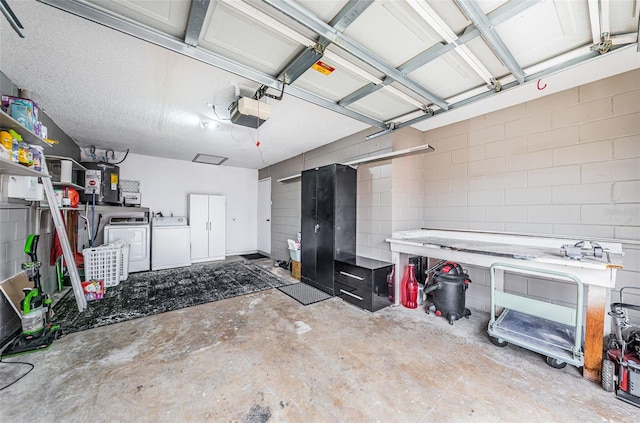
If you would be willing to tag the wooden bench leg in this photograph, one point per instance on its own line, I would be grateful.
(593, 341)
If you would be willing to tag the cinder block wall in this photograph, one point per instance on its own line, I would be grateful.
(408, 184)
(375, 211)
(565, 164)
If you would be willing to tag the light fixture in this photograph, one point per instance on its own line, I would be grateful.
(289, 178)
(209, 124)
(419, 149)
(425, 148)
(209, 159)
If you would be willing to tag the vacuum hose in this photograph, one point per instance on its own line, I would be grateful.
(431, 288)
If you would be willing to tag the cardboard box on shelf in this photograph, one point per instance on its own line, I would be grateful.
(296, 269)
(23, 110)
(22, 115)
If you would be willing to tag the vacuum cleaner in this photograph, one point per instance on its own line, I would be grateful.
(450, 284)
(35, 310)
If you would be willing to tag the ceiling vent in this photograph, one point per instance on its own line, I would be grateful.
(209, 159)
(249, 112)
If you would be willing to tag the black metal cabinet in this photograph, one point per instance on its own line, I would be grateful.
(328, 226)
(363, 282)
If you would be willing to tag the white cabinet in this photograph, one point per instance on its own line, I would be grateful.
(207, 219)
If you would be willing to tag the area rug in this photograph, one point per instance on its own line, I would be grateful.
(304, 294)
(148, 293)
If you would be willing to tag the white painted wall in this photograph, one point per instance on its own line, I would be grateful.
(165, 184)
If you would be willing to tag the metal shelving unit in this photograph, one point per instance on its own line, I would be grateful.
(10, 168)
(7, 122)
(75, 166)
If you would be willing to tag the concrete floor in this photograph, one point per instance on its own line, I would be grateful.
(265, 357)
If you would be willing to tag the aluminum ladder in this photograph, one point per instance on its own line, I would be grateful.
(64, 242)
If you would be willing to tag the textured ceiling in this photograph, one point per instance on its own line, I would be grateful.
(143, 75)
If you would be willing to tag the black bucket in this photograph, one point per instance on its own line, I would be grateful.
(449, 292)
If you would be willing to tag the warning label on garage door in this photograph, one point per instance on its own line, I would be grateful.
(322, 67)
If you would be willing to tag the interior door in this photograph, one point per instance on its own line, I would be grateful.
(264, 216)
(199, 223)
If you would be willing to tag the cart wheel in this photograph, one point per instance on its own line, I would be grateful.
(555, 363)
(608, 375)
(498, 342)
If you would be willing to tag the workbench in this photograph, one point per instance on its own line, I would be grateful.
(483, 249)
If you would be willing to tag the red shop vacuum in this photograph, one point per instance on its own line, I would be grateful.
(449, 287)
(621, 367)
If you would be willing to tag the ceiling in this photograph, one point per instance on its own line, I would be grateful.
(157, 77)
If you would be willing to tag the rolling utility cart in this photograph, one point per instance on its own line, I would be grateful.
(548, 329)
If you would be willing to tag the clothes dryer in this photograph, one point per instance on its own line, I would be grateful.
(137, 235)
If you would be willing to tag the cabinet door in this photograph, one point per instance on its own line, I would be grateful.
(345, 211)
(307, 226)
(217, 227)
(325, 245)
(199, 223)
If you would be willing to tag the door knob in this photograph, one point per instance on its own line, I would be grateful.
(316, 228)
(268, 220)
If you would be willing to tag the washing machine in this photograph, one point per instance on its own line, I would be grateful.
(170, 242)
(137, 234)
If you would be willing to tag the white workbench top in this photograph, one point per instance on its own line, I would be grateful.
(524, 247)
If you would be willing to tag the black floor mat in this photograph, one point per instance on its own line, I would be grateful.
(304, 294)
(254, 256)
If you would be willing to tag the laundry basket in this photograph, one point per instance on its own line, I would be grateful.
(103, 262)
(124, 258)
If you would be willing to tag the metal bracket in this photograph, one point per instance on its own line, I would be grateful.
(579, 250)
(318, 49)
(495, 85)
(262, 92)
(604, 45)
